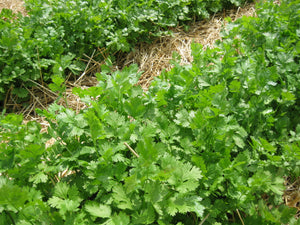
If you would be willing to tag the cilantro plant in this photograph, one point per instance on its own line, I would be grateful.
(208, 141)
(45, 43)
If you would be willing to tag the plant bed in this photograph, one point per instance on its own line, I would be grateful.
(208, 142)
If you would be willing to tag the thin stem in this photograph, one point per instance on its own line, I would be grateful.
(205, 218)
(137, 155)
(240, 216)
(84, 72)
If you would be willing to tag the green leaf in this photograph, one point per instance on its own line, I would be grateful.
(121, 198)
(39, 178)
(115, 120)
(135, 107)
(32, 151)
(98, 210)
(12, 197)
(287, 214)
(183, 118)
(146, 215)
(182, 204)
(121, 219)
(55, 202)
(95, 125)
(288, 96)
(20, 92)
(64, 205)
(58, 84)
(235, 86)
(238, 141)
(61, 190)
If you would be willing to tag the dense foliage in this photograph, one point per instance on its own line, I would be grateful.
(211, 138)
(46, 42)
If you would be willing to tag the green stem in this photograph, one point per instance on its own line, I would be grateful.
(10, 217)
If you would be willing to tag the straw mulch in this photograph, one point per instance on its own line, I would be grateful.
(15, 5)
(291, 194)
(153, 58)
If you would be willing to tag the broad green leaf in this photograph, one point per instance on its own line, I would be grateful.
(146, 215)
(238, 141)
(183, 118)
(39, 178)
(61, 190)
(121, 198)
(98, 210)
(134, 107)
(235, 86)
(120, 219)
(12, 197)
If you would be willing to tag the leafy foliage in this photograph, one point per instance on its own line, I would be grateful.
(210, 137)
(44, 44)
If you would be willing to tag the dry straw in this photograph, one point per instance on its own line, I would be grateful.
(15, 5)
